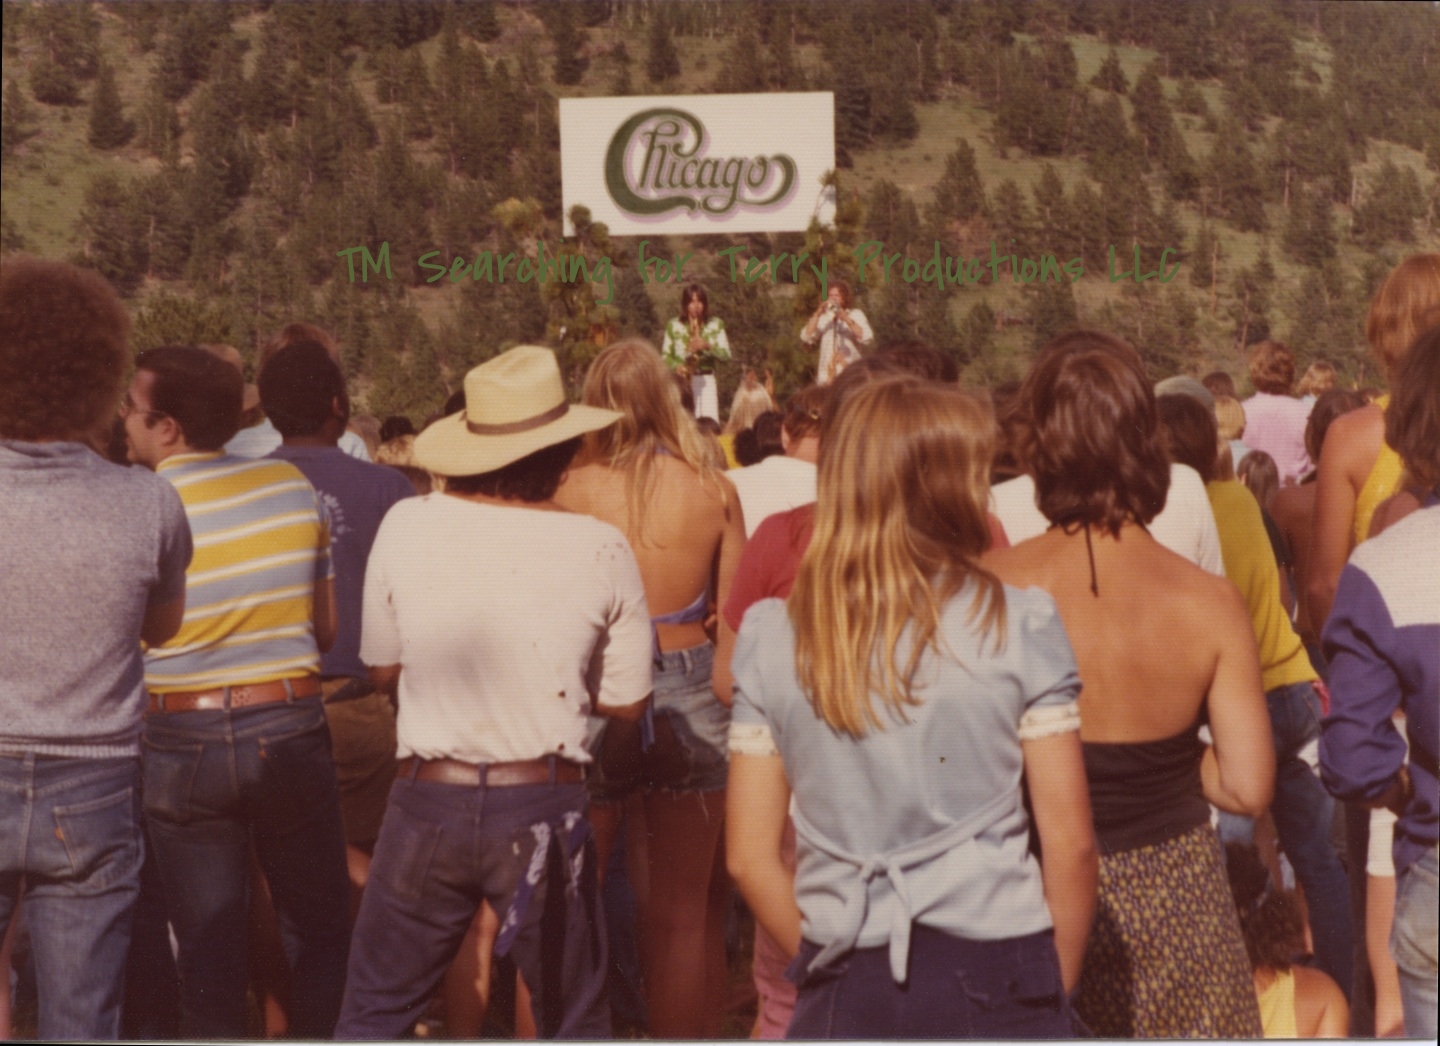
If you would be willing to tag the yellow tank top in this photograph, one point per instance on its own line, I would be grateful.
(1383, 481)
(1277, 1006)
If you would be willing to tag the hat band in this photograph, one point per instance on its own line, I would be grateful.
(524, 425)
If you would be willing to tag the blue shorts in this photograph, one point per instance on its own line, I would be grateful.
(691, 732)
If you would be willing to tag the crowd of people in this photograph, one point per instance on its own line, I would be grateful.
(1074, 706)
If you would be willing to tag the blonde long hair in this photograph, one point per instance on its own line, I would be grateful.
(899, 528)
(630, 377)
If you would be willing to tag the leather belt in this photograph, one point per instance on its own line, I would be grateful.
(235, 696)
(546, 770)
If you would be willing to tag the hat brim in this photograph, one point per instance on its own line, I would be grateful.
(449, 448)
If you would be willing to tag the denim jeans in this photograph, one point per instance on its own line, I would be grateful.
(1413, 944)
(444, 848)
(1304, 814)
(214, 782)
(957, 989)
(70, 828)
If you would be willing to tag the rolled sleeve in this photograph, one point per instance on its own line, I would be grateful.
(621, 671)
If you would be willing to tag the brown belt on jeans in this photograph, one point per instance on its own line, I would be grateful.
(236, 696)
(494, 775)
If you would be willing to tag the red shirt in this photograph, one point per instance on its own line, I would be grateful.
(772, 559)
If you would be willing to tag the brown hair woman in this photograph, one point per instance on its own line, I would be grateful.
(1162, 647)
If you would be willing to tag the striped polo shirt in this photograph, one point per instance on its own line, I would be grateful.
(262, 540)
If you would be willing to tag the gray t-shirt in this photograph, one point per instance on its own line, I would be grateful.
(85, 548)
(899, 790)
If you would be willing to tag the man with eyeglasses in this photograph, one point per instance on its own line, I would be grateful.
(236, 747)
(92, 560)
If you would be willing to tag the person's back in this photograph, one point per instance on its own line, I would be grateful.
(1160, 646)
(92, 561)
(650, 477)
(677, 540)
(1149, 600)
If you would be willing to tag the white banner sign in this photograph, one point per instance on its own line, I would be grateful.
(707, 163)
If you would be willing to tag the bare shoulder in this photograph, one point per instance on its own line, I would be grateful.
(1354, 439)
(1019, 565)
(1320, 1008)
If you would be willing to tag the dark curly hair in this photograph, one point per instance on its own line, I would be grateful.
(533, 478)
(299, 387)
(64, 349)
(1270, 920)
(1090, 434)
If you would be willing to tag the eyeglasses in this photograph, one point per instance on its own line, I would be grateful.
(128, 406)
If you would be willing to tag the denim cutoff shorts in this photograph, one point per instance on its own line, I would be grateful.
(691, 731)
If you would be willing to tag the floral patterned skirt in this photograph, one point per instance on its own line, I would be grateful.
(1165, 957)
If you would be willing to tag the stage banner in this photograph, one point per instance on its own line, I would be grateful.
(693, 164)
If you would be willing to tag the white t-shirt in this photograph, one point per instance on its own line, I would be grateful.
(777, 484)
(509, 624)
(259, 440)
(1186, 525)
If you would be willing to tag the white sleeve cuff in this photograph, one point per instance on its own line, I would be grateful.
(1049, 721)
(752, 739)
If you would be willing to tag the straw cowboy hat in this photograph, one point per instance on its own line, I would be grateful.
(514, 405)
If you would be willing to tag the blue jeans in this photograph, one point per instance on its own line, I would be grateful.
(71, 829)
(1304, 813)
(957, 989)
(443, 849)
(214, 782)
(1413, 944)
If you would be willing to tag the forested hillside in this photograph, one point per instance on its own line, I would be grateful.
(212, 158)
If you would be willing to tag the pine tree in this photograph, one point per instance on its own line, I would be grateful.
(1388, 212)
(1052, 308)
(15, 118)
(568, 39)
(1204, 257)
(960, 193)
(1188, 99)
(662, 59)
(977, 332)
(109, 129)
(1052, 218)
(1111, 77)
(159, 125)
(53, 84)
(1309, 235)
(1011, 217)
(113, 229)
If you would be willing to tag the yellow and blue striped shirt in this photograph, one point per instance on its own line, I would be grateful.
(262, 540)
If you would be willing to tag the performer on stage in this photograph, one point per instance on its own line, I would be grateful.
(696, 341)
(840, 331)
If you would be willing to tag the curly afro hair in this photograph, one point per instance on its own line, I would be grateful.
(64, 349)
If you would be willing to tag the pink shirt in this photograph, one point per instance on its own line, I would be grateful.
(1276, 425)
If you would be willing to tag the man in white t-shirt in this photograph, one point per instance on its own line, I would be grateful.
(1186, 525)
(505, 622)
(784, 481)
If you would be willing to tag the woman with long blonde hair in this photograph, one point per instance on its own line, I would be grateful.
(651, 477)
(904, 695)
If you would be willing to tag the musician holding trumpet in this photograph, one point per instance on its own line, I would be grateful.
(694, 343)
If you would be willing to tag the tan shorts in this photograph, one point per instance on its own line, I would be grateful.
(362, 736)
